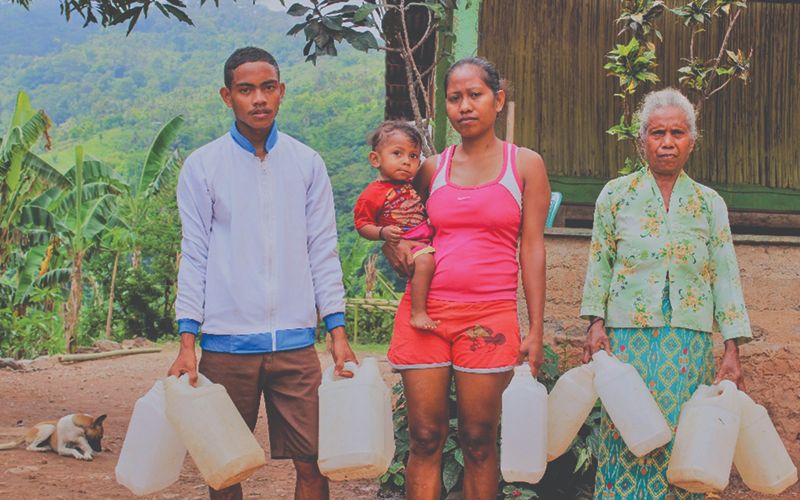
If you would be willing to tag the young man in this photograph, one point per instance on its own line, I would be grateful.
(259, 263)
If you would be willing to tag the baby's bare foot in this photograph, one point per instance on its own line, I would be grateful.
(422, 321)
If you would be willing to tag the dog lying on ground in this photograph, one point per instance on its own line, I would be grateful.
(77, 435)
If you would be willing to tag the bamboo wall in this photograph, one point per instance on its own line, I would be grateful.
(553, 53)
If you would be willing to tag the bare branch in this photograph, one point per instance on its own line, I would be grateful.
(427, 34)
(720, 87)
(705, 95)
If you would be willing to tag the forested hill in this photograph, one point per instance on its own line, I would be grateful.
(111, 93)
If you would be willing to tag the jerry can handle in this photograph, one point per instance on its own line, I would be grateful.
(328, 375)
(202, 380)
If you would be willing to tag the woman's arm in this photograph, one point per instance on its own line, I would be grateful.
(726, 289)
(399, 255)
(602, 254)
(535, 204)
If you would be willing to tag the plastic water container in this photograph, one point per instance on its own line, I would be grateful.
(356, 431)
(760, 457)
(152, 455)
(705, 439)
(219, 441)
(568, 405)
(523, 428)
(630, 405)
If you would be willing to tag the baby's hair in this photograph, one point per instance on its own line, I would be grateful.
(389, 127)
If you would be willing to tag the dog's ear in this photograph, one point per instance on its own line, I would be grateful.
(99, 420)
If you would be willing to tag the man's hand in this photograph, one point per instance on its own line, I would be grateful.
(186, 362)
(596, 339)
(341, 352)
(532, 346)
(400, 257)
(730, 368)
(391, 234)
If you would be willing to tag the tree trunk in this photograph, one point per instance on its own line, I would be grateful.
(136, 257)
(74, 303)
(111, 296)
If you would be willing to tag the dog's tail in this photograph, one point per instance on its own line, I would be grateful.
(12, 444)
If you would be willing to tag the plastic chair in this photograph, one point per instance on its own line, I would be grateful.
(555, 203)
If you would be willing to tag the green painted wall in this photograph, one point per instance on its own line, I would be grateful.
(740, 197)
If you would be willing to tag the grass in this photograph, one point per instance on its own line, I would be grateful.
(360, 348)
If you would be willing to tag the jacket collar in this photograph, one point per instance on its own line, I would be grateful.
(244, 143)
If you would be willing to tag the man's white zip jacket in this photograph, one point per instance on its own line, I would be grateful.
(259, 241)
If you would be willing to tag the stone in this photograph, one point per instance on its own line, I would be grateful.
(106, 345)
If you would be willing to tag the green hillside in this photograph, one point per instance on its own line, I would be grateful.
(111, 93)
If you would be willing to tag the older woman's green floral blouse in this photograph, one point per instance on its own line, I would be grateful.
(637, 245)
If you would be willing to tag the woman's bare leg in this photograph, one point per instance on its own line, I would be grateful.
(426, 392)
(479, 398)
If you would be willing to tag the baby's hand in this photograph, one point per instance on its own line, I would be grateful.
(392, 234)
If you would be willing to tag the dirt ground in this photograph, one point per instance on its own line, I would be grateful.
(48, 389)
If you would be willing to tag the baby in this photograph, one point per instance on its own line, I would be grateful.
(390, 209)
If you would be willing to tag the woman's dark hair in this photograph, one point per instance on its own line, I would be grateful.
(389, 127)
(490, 75)
(246, 55)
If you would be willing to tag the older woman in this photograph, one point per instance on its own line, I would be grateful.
(661, 271)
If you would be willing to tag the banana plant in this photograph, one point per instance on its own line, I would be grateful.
(79, 217)
(160, 164)
(23, 174)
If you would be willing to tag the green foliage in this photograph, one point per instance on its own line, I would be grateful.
(623, 131)
(101, 93)
(114, 12)
(33, 330)
(144, 311)
(159, 164)
(699, 13)
(739, 66)
(632, 65)
(639, 16)
(570, 476)
(632, 165)
(695, 13)
(695, 74)
(328, 22)
(519, 491)
(23, 175)
(367, 323)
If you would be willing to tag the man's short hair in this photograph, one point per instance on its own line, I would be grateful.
(246, 55)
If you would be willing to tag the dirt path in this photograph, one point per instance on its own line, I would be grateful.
(48, 390)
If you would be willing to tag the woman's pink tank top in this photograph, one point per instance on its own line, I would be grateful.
(477, 229)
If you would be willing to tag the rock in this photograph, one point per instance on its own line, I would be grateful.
(136, 342)
(10, 363)
(106, 345)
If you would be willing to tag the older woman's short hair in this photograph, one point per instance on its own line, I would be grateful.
(668, 97)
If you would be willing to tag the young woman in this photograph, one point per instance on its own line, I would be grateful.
(484, 196)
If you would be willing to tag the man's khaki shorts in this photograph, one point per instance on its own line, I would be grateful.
(288, 380)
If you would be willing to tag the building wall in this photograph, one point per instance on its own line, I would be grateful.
(554, 54)
(771, 281)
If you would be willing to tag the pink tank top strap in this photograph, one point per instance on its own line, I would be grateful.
(439, 177)
(510, 178)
